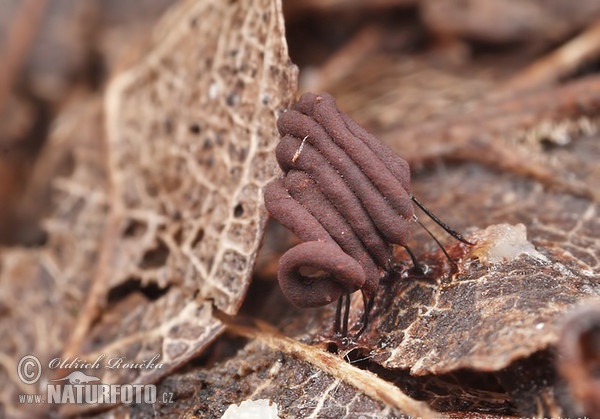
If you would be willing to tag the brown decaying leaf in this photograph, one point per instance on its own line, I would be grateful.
(191, 137)
(529, 294)
(461, 322)
(191, 134)
(42, 290)
(303, 381)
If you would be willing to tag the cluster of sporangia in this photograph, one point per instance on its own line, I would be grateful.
(346, 195)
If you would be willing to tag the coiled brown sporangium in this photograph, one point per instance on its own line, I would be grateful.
(347, 196)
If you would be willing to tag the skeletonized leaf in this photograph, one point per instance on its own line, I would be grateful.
(43, 291)
(191, 136)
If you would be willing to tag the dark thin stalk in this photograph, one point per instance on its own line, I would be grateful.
(439, 222)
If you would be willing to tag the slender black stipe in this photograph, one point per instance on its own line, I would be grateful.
(367, 304)
(346, 315)
(439, 222)
(415, 261)
(343, 304)
(338, 317)
(436, 240)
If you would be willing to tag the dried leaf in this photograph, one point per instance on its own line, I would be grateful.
(300, 379)
(490, 314)
(191, 136)
(43, 290)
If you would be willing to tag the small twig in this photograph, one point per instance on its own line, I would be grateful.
(560, 62)
(366, 381)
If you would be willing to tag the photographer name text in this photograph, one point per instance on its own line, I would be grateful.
(102, 362)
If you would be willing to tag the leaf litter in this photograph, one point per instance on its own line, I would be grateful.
(154, 233)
